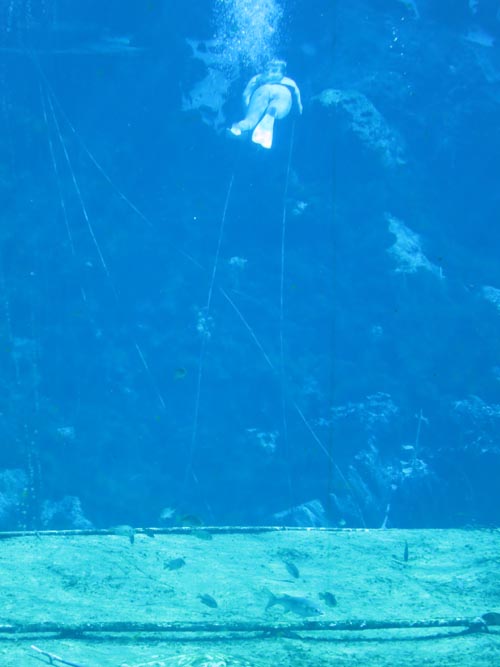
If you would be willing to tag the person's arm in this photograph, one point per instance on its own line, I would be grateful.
(251, 86)
(291, 83)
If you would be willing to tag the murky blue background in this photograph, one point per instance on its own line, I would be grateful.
(144, 366)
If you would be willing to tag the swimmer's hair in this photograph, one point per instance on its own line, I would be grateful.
(278, 62)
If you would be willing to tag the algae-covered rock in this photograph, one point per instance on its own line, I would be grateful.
(367, 123)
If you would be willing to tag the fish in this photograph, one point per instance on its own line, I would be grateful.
(167, 513)
(491, 618)
(297, 605)
(174, 564)
(292, 569)
(406, 552)
(328, 598)
(180, 373)
(208, 600)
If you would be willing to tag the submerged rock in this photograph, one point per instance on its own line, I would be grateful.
(367, 123)
(309, 514)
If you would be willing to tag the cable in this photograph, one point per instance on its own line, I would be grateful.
(282, 317)
(205, 333)
(50, 97)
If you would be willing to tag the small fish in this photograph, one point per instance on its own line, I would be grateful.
(208, 600)
(328, 598)
(167, 513)
(126, 531)
(292, 569)
(297, 605)
(406, 552)
(180, 373)
(174, 564)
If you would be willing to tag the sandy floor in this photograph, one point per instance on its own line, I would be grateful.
(52, 585)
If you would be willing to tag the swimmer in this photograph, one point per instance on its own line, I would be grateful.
(267, 96)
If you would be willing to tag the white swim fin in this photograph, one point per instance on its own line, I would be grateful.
(263, 133)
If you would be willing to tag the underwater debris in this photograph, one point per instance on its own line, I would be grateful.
(208, 600)
(53, 658)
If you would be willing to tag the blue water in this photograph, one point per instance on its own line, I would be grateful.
(194, 322)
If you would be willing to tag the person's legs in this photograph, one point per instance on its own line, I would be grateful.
(280, 102)
(263, 132)
(279, 106)
(256, 109)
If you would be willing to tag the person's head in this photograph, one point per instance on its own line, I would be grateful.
(276, 69)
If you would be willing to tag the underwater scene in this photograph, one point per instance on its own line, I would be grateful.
(195, 324)
(250, 332)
